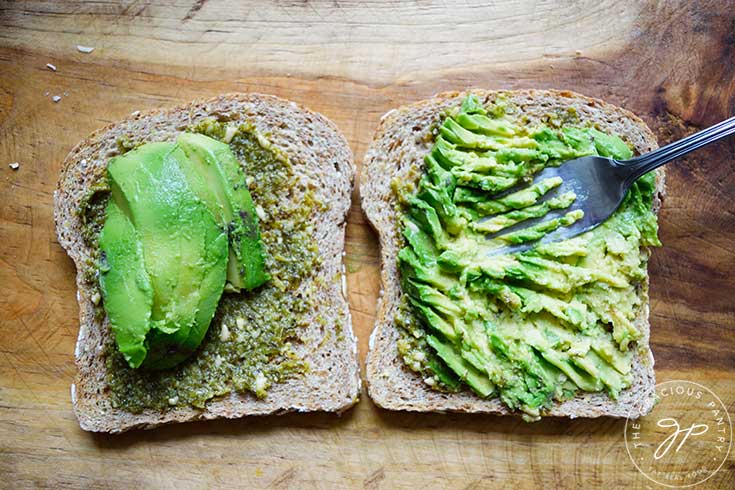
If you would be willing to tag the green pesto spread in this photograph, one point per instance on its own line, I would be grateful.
(253, 339)
(533, 328)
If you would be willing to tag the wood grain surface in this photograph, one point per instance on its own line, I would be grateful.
(671, 62)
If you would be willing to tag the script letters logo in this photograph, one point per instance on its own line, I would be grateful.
(685, 433)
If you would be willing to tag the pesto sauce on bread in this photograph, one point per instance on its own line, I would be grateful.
(250, 344)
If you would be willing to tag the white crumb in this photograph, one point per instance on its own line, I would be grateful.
(84, 49)
(66, 94)
(260, 382)
(51, 67)
(261, 213)
(56, 98)
(263, 141)
(224, 334)
(230, 132)
(45, 94)
(14, 165)
(173, 400)
(135, 113)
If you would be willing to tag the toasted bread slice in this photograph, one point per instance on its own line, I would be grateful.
(323, 162)
(398, 148)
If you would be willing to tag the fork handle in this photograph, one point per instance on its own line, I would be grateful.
(640, 165)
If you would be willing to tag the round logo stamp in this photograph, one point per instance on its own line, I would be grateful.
(685, 440)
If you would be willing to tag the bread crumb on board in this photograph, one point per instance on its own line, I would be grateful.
(14, 165)
(84, 49)
(51, 66)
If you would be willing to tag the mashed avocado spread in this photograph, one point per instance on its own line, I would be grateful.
(531, 328)
(254, 333)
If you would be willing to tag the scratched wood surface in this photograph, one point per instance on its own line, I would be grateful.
(673, 63)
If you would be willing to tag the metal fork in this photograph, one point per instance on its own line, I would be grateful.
(600, 184)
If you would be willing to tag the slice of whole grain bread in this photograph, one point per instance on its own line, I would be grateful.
(316, 147)
(398, 148)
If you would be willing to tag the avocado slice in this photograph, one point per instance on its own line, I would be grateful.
(184, 253)
(217, 178)
(476, 380)
(126, 288)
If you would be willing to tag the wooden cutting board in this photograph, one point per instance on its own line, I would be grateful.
(673, 63)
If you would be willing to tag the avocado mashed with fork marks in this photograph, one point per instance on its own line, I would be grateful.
(533, 328)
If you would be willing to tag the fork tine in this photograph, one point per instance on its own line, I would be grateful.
(561, 233)
(567, 173)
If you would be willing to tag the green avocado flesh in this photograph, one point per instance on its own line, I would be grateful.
(219, 181)
(176, 212)
(255, 337)
(532, 328)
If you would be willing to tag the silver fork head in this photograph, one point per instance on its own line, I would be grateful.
(600, 187)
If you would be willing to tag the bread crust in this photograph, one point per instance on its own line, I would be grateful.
(315, 145)
(397, 150)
